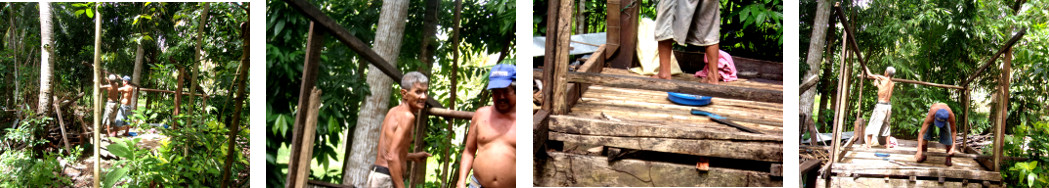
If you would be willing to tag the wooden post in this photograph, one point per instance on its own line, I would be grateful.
(560, 64)
(61, 123)
(96, 140)
(242, 77)
(1003, 109)
(178, 95)
(622, 55)
(612, 27)
(314, 44)
(965, 117)
(839, 111)
(302, 170)
(417, 175)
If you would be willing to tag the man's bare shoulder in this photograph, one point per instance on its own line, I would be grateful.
(399, 113)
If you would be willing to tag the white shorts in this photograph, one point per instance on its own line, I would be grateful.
(879, 119)
(694, 22)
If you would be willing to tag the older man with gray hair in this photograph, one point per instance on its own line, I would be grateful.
(392, 158)
(879, 127)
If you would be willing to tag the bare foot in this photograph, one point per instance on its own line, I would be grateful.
(710, 80)
(661, 76)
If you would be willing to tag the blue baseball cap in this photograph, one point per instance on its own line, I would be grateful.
(501, 76)
(127, 78)
(941, 117)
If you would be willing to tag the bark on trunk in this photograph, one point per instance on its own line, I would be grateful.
(815, 56)
(387, 44)
(136, 73)
(96, 94)
(44, 101)
(198, 58)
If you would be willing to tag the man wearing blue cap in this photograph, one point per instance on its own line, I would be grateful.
(940, 115)
(491, 143)
(126, 93)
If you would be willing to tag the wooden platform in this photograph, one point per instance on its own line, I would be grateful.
(645, 120)
(899, 169)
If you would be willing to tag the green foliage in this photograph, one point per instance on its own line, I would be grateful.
(22, 168)
(1031, 141)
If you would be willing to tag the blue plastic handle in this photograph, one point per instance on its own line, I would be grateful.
(705, 113)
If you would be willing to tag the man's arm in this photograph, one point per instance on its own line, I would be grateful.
(921, 131)
(466, 162)
(393, 155)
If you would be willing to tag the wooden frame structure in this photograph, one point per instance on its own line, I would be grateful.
(838, 152)
(569, 116)
(304, 128)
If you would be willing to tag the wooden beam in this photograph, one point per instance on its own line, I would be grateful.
(732, 149)
(809, 83)
(849, 34)
(595, 64)
(959, 154)
(61, 124)
(733, 92)
(309, 135)
(343, 35)
(572, 170)
(586, 126)
(560, 64)
(448, 113)
(612, 26)
(548, 58)
(417, 173)
(314, 45)
(902, 171)
(841, 96)
(838, 181)
(809, 165)
(901, 80)
(541, 132)
(1003, 109)
(1008, 46)
(169, 91)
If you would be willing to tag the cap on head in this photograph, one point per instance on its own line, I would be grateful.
(413, 78)
(890, 71)
(127, 78)
(502, 76)
(941, 117)
(112, 77)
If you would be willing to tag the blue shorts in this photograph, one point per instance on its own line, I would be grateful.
(122, 116)
(944, 133)
(473, 182)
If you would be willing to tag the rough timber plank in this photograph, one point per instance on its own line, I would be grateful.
(735, 92)
(747, 150)
(918, 171)
(571, 170)
(586, 126)
(881, 182)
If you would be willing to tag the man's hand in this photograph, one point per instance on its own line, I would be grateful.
(950, 151)
(418, 156)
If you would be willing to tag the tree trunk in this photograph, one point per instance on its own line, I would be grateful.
(387, 44)
(45, 58)
(454, 79)
(95, 95)
(195, 67)
(242, 76)
(580, 18)
(819, 31)
(136, 73)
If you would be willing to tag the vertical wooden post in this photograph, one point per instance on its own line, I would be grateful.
(178, 95)
(314, 43)
(965, 117)
(612, 27)
(302, 170)
(417, 175)
(549, 54)
(1003, 109)
(560, 64)
(839, 111)
(95, 95)
(627, 43)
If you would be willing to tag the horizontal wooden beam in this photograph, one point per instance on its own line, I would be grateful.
(933, 172)
(541, 131)
(723, 91)
(809, 82)
(448, 113)
(901, 80)
(355, 44)
(882, 182)
(586, 126)
(809, 165)
(1008, 44)
(746, 150)
(927, 153)
(572, 170)
(168, 91)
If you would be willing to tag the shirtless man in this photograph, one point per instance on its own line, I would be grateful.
(879, 123)
(112, 95)
(392, 158)
(491, 143)
(125, 105)
(940, 115)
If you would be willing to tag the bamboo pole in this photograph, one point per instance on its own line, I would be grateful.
(242, 77)
(95, 94)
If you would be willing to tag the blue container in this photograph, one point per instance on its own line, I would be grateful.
(688, 99)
